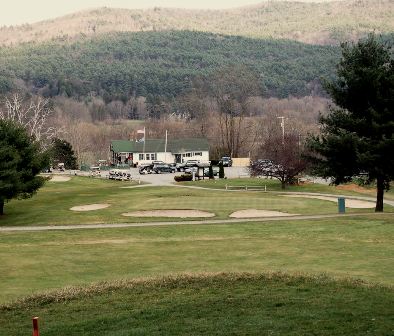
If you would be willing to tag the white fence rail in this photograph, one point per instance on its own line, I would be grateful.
(247, 187)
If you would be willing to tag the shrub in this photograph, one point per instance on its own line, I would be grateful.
(221, 170)
(184, 177)
(210, 173)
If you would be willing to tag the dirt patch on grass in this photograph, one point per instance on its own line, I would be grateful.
(355, 188)
(170, 213)
(60, 178)
(350, 203)
(89, 207)
(254, 213)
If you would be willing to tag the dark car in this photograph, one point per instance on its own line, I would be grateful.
(149, 168)
(163, 168)
(188, 164)
(214, 169)
(227, 161)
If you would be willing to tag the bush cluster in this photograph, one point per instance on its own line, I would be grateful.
(183, 177)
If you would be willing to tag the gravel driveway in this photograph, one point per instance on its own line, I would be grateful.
(168, 178)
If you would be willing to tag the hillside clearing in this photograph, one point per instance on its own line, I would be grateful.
(318, 22)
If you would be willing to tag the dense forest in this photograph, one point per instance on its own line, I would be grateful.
(315, 23)
(122, 65)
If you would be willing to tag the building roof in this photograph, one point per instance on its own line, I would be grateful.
(121, 146)
(158, 145)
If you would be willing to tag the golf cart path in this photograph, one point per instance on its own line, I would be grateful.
(350, 197)
(188, 222)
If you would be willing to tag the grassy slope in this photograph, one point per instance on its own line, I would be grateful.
(306, 22)
(355, 247)
(222, 304)
(52, 203)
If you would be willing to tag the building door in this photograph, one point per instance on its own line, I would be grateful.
(178, 158)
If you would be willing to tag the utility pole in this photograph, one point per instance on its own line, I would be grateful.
(282, 124)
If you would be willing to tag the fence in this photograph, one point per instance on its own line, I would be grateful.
(241, 162)
(246, 187)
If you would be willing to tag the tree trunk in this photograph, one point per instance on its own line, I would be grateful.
(1, 207)
(283, 184)
(379, 194)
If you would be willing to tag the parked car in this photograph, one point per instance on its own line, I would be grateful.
(156, 167)
(227, 161)
(214, 169)
(189, 163)
(191, 170)
(95, 171)
(61, 167)
(163, 168)
(265, 167)
(145, 169)
(157, 162)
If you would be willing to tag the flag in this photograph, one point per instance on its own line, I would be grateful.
(141, 131)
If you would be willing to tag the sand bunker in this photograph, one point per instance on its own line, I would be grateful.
(350, 203)
(89, 207)
(59, 178)
(169, 213)
(253, 213)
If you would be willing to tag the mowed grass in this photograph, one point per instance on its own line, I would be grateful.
(359, 247)
(219, 304)
(51, 205)
(274, 185)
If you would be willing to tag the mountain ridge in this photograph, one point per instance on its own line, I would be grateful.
(308, 22)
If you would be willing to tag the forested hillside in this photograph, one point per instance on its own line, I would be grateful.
(316, 23)
(121, 65)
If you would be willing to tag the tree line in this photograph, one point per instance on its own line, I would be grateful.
(160, 64)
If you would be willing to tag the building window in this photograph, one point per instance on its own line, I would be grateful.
(148, 156)
(141, 157)
(197, 153)
(188, 154)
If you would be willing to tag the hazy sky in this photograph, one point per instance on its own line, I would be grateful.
(27, 11)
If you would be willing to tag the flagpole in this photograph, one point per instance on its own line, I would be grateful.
(165, 149)
(143, 149)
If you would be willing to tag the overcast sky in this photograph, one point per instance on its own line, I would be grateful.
(14, 12)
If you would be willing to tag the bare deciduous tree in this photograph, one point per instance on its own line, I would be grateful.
(232, 87)
(280, 157)
(32, 114)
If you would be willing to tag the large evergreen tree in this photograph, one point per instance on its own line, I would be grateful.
(20, 162)
(62, 152)
(358, 135)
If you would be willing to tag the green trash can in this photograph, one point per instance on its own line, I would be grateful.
(341, 205)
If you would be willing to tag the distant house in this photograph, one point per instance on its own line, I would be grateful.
(177, 151)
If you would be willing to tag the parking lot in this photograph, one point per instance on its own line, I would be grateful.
(168, 178)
